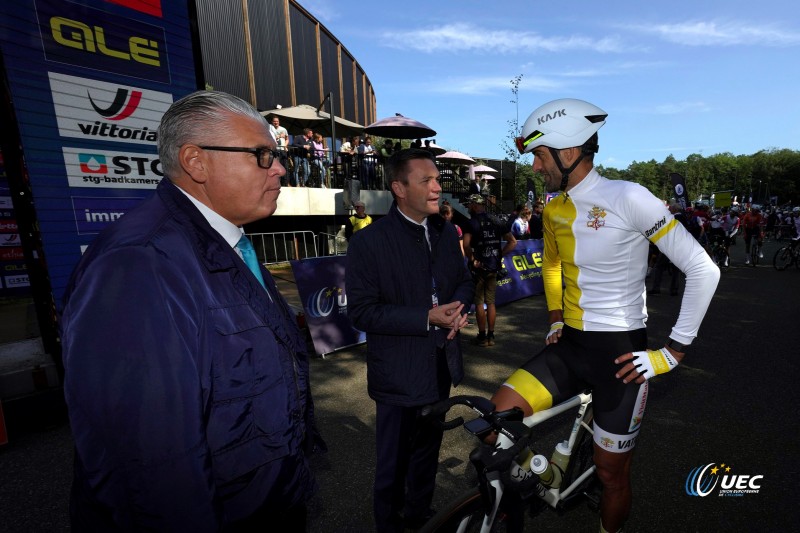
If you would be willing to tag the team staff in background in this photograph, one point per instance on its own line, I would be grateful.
(596, 239)
(187, 378)
(357, 221)
(485, 251)
(408, 288)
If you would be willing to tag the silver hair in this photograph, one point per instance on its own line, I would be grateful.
(201, 117)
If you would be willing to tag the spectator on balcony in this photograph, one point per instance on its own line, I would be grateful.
(366, 174)
(282, 141)
(386, 149)
(301, 151)
(318, 157)
(348, 152)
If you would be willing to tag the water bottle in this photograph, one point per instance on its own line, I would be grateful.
(551, 472)
(548, 476)
(560, 458)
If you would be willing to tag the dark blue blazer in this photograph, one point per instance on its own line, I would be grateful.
(188, 391)
(390, 279)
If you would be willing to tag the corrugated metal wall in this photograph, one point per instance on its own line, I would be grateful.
(304, 52)
(221, 29)
(348, 87)
(270, 49)
(330, 67)
(286, 67)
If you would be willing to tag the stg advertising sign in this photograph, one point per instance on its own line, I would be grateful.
(90, 81)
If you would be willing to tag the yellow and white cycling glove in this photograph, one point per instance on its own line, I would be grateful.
(555, 327)
(650, 363)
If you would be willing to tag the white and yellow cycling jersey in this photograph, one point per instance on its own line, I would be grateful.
(596, 238)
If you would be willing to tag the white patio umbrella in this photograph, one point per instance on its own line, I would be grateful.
(296, 118)
(434, 148)
(484, 169)
(456, 158)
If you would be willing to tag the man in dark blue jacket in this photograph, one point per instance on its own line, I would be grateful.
(186, 375)
(407, 288)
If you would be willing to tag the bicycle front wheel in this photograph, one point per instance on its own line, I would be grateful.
(465, 514)
(754, 251)
(783, 258)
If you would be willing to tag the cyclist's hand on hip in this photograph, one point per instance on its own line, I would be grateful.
(643, 365)
(556, 327)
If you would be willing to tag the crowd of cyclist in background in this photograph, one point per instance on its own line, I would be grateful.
(720, 228)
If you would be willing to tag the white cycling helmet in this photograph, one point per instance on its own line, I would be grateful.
(560, 124)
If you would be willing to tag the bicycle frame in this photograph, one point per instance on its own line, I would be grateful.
(552, 496)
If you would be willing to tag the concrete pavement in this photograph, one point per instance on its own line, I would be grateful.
(730, 402)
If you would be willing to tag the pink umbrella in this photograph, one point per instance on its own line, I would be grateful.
(399, 127)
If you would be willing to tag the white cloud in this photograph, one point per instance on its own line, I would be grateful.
(491, 84)
(464, 37)
(323, 10)
(720, 33)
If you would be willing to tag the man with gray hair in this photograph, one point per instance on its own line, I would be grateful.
(187, 378)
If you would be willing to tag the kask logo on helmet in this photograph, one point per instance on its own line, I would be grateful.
(548, 116)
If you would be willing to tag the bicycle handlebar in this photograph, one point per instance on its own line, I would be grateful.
(477, 403)
(493, 459)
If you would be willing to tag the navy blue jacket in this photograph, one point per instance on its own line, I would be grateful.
(187, 389)
(389, 281)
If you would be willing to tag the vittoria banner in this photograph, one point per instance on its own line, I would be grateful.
(90, 81)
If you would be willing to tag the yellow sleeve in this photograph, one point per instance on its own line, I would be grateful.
(551, 267)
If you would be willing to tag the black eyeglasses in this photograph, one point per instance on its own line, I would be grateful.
(264, 156)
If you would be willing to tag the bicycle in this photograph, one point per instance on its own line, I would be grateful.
(787, 255)
(507, 485)
(718, 251)
(755, 249)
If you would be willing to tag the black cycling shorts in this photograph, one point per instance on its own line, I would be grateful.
(583, 360)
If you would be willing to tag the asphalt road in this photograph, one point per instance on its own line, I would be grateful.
(730, 402)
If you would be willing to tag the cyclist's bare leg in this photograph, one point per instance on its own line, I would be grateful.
(614, 471)
(505, 398)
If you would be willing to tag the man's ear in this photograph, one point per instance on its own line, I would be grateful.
(398, 189)
(193, 160)
(569, 155)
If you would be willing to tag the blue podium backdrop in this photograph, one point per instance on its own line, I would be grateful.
(320, 284)
(89, 82)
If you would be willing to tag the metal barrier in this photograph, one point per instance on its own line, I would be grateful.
(274, 248)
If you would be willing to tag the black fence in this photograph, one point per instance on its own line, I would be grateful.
(312, 170)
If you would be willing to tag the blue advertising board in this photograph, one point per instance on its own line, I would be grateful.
(90, 81)
(320, 284)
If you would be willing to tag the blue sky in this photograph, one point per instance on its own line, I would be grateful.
(676, 78)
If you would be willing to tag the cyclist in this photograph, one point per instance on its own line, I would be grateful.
(752, 223)
(730, 226)
(596, 238)
(716, 234)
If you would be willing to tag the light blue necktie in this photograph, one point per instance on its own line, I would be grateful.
(249, 255)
